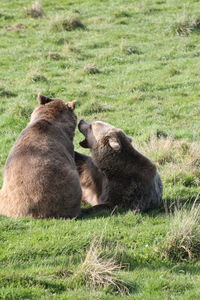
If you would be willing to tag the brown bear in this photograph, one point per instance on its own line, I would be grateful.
(91, 179)
(132, 179)
(40, 175)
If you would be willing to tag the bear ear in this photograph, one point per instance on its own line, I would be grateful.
(71, 105)
(114, 143)
(43, 99)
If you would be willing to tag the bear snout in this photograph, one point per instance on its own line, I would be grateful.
(83, 126)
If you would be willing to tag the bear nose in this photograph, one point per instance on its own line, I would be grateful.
(83, 126)
(81, 122)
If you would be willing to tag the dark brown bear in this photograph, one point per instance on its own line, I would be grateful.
(132, 179)
(91, 179)
(40, 176)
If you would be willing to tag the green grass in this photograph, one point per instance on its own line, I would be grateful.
(134, 64)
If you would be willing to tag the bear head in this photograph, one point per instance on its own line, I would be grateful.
(56, 111)
(101, 133)
(113, 152)
(105, 142)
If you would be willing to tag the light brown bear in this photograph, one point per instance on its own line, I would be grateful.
(40, 176)
(91, 179)
(132, 179)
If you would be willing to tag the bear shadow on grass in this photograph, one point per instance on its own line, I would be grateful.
(167, 206)
(105, 213)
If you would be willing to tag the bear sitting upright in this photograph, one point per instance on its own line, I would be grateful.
(40, 176)
(132, 179)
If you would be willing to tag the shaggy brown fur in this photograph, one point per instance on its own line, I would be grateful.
(91, 179)
(132, 179)
(40, 176)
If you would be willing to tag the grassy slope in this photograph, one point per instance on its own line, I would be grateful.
(149, 83)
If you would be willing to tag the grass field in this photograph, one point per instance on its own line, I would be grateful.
(134, 64)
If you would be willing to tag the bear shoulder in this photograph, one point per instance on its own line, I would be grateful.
(41, 125)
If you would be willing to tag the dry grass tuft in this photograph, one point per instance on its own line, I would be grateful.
(36, 76)
(54, 55)
(162, 150)
(186, 27)
(136, 95)
(178, 156)
(35, 11)
(129, 49)
(70, 23)
(15, 27)
(183, 238)
(91, 69)
(179, 160)
(69, 50)
(97, 270)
